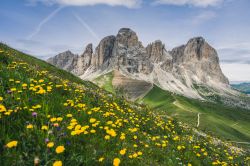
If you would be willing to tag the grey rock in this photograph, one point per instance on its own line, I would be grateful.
(66, 60)
(177, 70)
(103, 52)
(84, 61)
(158, 54)
(129, 53)
(200, 59)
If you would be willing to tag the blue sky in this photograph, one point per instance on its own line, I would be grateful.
(44, 28)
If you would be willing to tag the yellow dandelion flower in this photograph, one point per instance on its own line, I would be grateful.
(122, 137)
(57, 163)
(69, 115)
(12, 144)
(44, 128)
(116, 162)
(24, 85)
(179, 147)
(123, 151)
(92, 120)
(176, 138)
(13, 89)
(111, 132)
(1, 98)
(135, 155)
(40, 81)
(107, 137)
(139, 153)
(53, 119)
(59, 119)
(60, 149)
(2, 108)
(30, 126)
(92, 131)
(101, 159)
(50, 144)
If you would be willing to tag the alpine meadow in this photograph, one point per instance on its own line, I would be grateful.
(124, 83)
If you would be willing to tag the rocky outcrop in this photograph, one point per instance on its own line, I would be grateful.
(200, 60)
(84, 60)
(66, 60)
(103, 52)
(178, 70)
(158, 54)
(129, 53)
(155, 51)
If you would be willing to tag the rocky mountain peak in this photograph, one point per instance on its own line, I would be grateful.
(65, 60)
(103, 51)
(127, 37)
(196, 40)
(178, 70)
(68, 52)
(88, 49)
(156, 50)
(199, 48)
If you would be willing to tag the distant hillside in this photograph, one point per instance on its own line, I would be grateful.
(227, 122)
(243, 87)
(50, 117)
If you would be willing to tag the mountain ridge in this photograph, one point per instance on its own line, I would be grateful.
(177, 70)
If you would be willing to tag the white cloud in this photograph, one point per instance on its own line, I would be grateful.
(235, 53)
(236, 71)
(197, 3)
(126, 3)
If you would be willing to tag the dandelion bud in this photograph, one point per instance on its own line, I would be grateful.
(36, 161)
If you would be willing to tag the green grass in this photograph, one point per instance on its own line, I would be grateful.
(226, 122)
(40, 103)
(105, 82)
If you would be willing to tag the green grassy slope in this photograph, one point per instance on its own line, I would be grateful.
(50, 117)
(228, 123)
(105, 81)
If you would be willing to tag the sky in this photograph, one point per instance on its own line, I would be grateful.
(44, 28)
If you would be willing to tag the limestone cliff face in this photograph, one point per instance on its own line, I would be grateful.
(84, 61)
(66, 60)
(159, 55)
(200, 60)
(177, 70)
(129, 53)
(103, 52)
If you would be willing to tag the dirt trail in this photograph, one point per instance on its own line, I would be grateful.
(198, 120)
